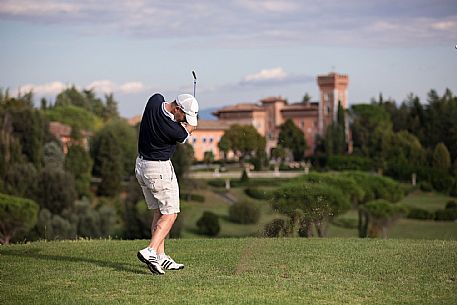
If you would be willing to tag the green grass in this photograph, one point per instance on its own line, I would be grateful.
(430, 201)
(233, 271)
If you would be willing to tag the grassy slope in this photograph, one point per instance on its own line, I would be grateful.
(248, 271)
(404, 228)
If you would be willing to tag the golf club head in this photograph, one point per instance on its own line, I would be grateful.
(193, 73)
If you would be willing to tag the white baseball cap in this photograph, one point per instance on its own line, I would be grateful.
(189, 106)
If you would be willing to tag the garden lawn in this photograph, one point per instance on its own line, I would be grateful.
(233, 271)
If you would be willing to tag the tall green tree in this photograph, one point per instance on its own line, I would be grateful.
(291, 137)
(108, 165)
(125, 137)
(182, 160)
(335, 138)
(53, 155)
(441, 157)
(55, 190)
(79, 163)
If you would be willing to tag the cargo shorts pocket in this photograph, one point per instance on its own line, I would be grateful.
(156, 183)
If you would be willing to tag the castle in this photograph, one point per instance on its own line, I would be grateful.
(266, 116)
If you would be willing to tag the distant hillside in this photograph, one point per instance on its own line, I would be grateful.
(206, 114)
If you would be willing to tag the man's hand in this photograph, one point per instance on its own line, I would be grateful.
(189, 128)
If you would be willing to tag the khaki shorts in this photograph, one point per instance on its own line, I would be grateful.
(159, 184)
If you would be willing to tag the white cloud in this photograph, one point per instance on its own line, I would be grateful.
(104, 86)
(273, 6)
(99, 86)
(132, 87)
(266, 74)
(47, 89)
(253, 23)
(33, 8)
(444, 25)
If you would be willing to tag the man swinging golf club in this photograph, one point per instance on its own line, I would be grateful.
(162, 126)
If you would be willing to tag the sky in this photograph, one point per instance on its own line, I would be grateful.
(241, 50)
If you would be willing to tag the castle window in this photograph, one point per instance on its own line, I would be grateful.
(194, 140)
(204, 140)
(211, 140)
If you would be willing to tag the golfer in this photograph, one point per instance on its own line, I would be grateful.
(162, 126)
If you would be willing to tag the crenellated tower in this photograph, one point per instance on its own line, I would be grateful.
(333, 90)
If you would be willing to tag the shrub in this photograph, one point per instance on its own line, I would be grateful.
(192, 197)
(420, 214)
(442, 182)
(446, 215)
(208, 224)
(275, 228)
(16, 215)
(244, 177)
(377, 187)
(318, 203)
(382, 215)
(257, 193)
(244, 212)
(425, 186)
(349, 163)
(451, 205)
(217, 183)
(346, 184)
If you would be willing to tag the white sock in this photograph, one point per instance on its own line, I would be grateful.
(161, 255)
(151, 251)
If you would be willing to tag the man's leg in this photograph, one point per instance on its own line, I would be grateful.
(163, 227)
(156, 216)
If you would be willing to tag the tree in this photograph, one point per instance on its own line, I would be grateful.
(291, 137)
(306, 98)
(243, 140)
(382, 215)
(335, 139)
(21, 180)
(370, 122)
(110, 111)
(53, 155)
(441, 157)
(182, 160)
(208, 157)
(55, 190)
(318, 203)
(108, 165)
(79, 164)
(125, 138)
(16, 215)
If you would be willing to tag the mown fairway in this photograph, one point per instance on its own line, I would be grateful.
(233, 271)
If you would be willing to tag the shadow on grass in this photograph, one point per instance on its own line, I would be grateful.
(34, 254)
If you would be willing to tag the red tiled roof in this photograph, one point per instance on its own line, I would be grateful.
(58, 129)
(212, 125)
(240, 107)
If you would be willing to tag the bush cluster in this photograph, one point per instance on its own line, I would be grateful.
(421, 214)
(258, 193)
(208, 224)
(244, 212)
(192, 197)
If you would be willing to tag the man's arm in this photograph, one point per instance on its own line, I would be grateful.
(189, 128)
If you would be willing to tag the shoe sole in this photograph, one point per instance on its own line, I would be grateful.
(151, 267)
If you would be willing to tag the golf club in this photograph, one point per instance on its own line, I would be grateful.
(195, 80)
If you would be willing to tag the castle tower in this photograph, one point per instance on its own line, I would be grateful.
(333, 89)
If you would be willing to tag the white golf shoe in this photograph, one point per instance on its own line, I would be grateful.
(149, 257)
(168, 263)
